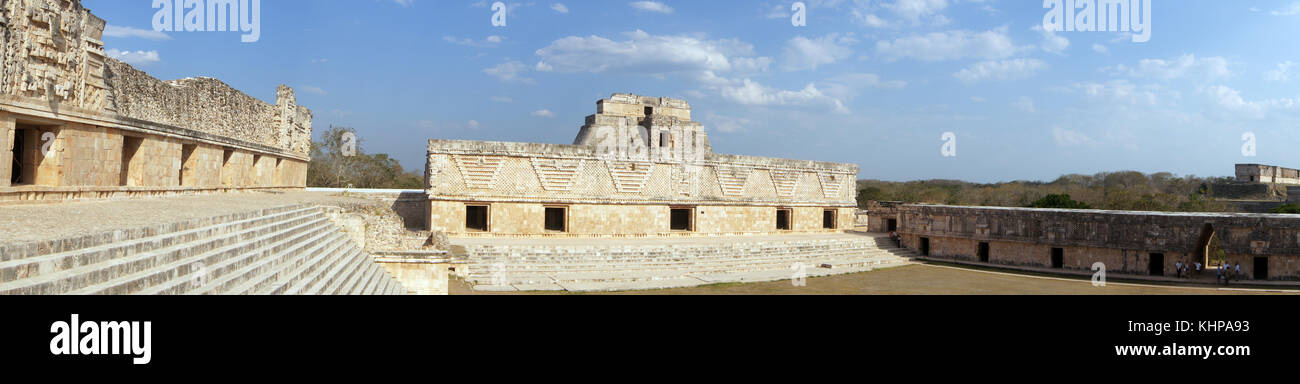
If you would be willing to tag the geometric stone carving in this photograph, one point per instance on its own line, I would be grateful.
(732, 179)
(480, 172)
(629, 176)
(556, 174)
(786, 181)
(832, 184)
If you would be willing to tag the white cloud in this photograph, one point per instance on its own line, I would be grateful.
(488, 42)
(641, 53)
(1122, 92)
(802, 53)
(1230, 100)
(135, 57)
(1051, 41)
(651, 6)
(559, 7)
(1001, 70)
(907, 12)
(1282, 74)
(725, 124)
(543, 113)
(128, 32)
(473, 124)
(1024, 104)
(404, 3)
(1100, 48)
(1069, 138)
(950, 45)
(753, 93)
(509, 72)
(1185, 66)
(313, 89)
(1289, 10)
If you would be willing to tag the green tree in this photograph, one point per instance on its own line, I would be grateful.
(1059, 201)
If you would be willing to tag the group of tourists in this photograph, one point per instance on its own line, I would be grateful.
(1226, 272)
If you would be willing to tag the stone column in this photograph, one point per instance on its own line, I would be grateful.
(7, 129)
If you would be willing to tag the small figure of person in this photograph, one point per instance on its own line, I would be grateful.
(1236, 269)
(1178, 269)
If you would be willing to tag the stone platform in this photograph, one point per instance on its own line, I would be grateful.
(617, 264)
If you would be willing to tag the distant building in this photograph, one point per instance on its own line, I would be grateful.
(638, 167)
(1268, 174)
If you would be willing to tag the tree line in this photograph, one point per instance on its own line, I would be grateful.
(1126, 190)
(340, 162)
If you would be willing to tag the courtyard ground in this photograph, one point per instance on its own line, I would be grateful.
(924, 279)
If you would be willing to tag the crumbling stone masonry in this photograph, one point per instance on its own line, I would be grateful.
(75, 123)
(638, 167)
(1267, 174)
(1135, 243)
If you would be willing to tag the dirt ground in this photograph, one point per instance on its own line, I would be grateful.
(925, 279)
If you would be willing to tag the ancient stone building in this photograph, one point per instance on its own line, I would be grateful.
(1137, 243)
(75, 123)
(638, 167)
(1268, 174)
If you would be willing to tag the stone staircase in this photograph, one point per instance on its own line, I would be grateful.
(292, 250)
(613, 267)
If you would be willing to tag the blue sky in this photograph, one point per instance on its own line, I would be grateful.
(876, 83)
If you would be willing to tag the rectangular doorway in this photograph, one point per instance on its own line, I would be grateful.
(925, 246)
(476, 218)
(130, 147)
(1261, 268)
(783, 219)
(681, 219)
(24, 159)
(891, 225)
(984, 252)
(187, 174)
(1156, 264)
(556, 219)
(1058, 258)
(828, 219)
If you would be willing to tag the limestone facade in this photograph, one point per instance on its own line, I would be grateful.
(1138, 243)
(75, 123)
(1267, 174)
(639, 167)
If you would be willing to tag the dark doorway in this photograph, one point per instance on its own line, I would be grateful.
(1058, 258)
(19, 175)
(891, 225)
(649, 111)
(130, 145)
(925, 246)
(476, 218)
(984, 252)
(187, 152)
(1261, 268)
(783, 219)
(1156, 264)
(1205, 246)
(555, 219)
(828, 219)
(681, 219)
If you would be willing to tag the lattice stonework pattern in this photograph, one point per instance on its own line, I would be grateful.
(687, 179)
(832, 184)
(556, 174)
(786, 182)
(479, 172)
(629, 176)
(732, 179)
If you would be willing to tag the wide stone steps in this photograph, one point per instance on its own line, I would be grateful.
(595, 268)
(285, 250)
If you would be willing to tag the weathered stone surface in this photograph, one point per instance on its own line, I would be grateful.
(625, 172)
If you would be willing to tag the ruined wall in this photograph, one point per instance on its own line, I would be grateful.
(57, 78)
(1259, 173)
(1121, 239)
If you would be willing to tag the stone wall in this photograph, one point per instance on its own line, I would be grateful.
(626, 172)
(1121, 239)
(83, 109)
(1259, 173)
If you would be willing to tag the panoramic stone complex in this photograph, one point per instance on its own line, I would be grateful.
(638, 167)
(75, 123)
(1138, 243)
(1268, 174)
